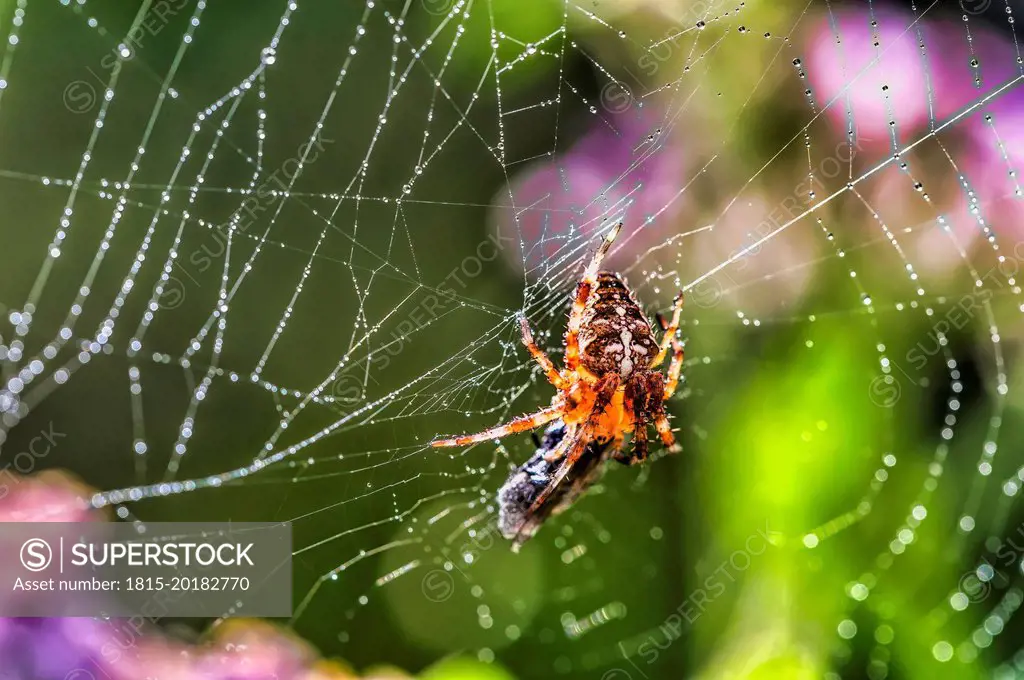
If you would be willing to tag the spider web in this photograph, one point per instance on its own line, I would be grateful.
(256, 262)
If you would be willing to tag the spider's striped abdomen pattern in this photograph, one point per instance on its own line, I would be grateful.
(615, 336)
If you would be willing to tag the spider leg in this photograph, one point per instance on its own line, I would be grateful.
(665, 430)
(616, 449)
(579, 304)
(677, 361)
(640, 442)
(639, 452)
(559, 451)
(520, 424)
(573, 446)
(602, 250)
(672, 379)
(583, 482)
(642, 399)
(670, 332)
(553, 376)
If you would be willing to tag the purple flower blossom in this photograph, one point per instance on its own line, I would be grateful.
(116, 649)
(623, 167)
(881, 73)
(922, 74)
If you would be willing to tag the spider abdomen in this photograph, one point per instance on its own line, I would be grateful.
(615, 336)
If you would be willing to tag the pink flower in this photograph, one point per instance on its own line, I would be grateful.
(880, 72)
(622, 168)
(84, 649)
(965, 65)
(847, 70)
(252, 650)
(48, 497)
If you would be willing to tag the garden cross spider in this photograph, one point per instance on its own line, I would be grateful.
(609, 386)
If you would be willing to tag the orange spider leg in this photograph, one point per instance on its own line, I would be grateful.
(640, 448)
(579, 304)
(559, 451)
(665, 430)
(670, 332)
(672, 379)
(520, 424)
(573, 446)
(674, 368)
(553, 376)
(640, 441)
(615, 447)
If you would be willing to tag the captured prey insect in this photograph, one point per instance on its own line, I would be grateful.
(518, 520)
(608, 388)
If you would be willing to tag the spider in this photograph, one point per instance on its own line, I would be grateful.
(609, 386)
